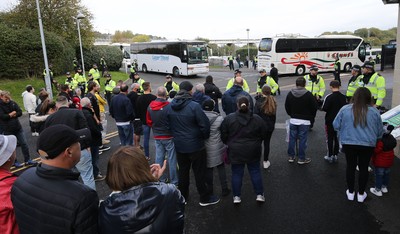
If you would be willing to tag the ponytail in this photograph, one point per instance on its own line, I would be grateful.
(243, 104)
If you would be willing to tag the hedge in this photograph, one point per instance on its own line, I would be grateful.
(21, 53)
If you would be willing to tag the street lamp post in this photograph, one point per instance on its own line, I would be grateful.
(46, 64)
(78, 19)
(248, 49)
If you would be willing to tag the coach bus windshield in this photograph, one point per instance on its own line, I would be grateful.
(197, 53)
(265, 45)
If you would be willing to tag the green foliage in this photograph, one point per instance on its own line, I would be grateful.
(243, 52)
(57, 17)
(375, 36)
(141, 38)
(22, 53)
(112, 55)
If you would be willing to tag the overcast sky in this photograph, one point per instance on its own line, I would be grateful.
(188, 19)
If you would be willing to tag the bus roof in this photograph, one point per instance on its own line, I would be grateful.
(169, 42)
(322, 36)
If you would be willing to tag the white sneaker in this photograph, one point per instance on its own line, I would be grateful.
(370, 169)
(358, 169)
(260, 198)
(376, 192)
(384, 189)
(328, 158)
(361, 198)
(350, 196)
(236, 200)
(266, 164)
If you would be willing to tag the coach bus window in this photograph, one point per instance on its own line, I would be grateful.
(265, 45)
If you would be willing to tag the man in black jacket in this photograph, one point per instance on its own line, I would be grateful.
(10, 125)
(212, 91)
(95, 131)
(332, 104)
(50, 198)
(301, 106)
(75, 119)
(274, 74)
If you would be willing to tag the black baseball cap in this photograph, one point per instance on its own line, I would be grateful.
(56, 138)
(238, 71)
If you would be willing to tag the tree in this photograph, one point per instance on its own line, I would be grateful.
(122, 36)
(141, 38)
(57, 17)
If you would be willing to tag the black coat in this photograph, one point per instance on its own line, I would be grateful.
(301, 104)
(243, 133)
(332, 104)
(268, 119)
(95, 129)
(9, 125)
(52, 200)
(149, 208)
(214, 93)
(74, 118)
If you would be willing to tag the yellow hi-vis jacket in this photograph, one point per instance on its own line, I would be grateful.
(95, 73)
(71, 84)
(175, 86)
(110, 85)
(377, 86)
(231, 82)
(140, 81)
(317, 87)
(270, 82)
(352, 87)
(80, 79)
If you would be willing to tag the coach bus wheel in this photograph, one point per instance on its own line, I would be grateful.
(347, 67)
(144, 68)
(175, 72)
(300, 70)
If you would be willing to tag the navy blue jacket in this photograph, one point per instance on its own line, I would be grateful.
(121, 108)
(229, 99)
(189, 125)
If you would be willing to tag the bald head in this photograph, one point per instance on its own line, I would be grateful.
(162, 92)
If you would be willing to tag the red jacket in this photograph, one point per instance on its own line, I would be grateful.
(8, 224)
(382, 158)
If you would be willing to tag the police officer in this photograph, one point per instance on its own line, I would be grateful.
(264, 79)
(75, 63)
(353, 82)
(336, 66)
(52, 81)
(94, 71)
(316, 85)
(103, 65)
(170, 84)
(109, 86)
(140, 81)
(230, 60)
(81, 80)
(230, 83)
(71, 82)
(374, 82)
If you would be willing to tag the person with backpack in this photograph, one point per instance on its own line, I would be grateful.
(382, 160)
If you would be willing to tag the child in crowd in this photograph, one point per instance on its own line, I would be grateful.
(382, 160)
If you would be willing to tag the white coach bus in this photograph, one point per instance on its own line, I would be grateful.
(298, 54)
(179, 58)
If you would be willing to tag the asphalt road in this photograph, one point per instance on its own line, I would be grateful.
(299, 199)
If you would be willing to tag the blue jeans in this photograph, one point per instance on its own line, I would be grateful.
(94, 151)
(146, 139)
(299, 132)
(20, 135)
(255, 176)
(381, 177)
(167, 147)
(85, 167)
(125, 133)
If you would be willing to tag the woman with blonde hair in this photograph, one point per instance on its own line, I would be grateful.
(360, 126)
(139, 203)
(265, 107)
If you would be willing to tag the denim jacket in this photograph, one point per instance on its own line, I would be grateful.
(364, 136)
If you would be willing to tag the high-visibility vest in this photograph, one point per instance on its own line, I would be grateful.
(317, 87)
(50, 71)
(230, 58)
(175, 86)
(80, 79)
(270, 82)
(110, 85)
(95, 73)
(231, 82)
(140, 81)
(337, 65)
(377, 86)
(72, 84)
(132, 70)
(353, 86)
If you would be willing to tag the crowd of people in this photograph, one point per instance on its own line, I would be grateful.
(189, 133)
